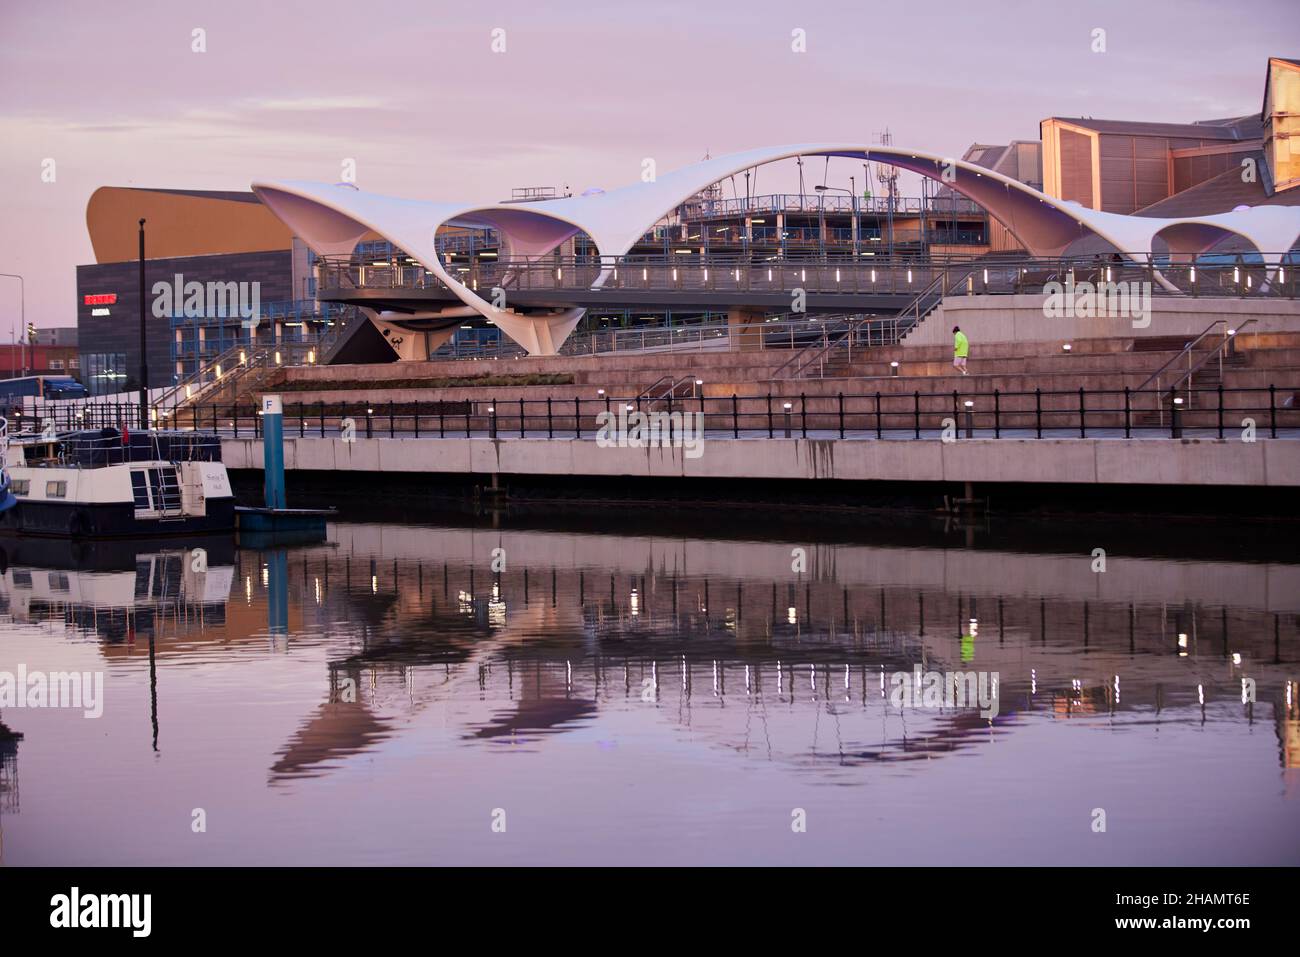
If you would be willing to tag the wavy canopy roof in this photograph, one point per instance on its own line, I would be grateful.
(331, 219)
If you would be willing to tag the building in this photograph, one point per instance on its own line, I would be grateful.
(1123, 166)
(21, 359)
(218, 240)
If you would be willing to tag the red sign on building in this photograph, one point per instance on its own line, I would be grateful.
(103, 299)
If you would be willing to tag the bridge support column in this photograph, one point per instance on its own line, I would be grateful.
(745, 329)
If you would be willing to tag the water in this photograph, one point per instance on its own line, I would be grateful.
(674, 694)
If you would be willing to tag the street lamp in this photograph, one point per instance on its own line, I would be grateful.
(853, 198)
(22, 308)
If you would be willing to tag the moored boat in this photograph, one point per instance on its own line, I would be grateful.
(106, 483)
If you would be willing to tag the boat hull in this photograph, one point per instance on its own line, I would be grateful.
(110, 520)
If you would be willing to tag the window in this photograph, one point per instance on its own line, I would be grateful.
(56, 489)
(56, 365)
(20, 486)
(139, 491)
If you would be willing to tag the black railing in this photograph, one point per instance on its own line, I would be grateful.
(1264, 412)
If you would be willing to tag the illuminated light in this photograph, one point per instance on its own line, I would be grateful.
(99, 312)
(374, 584)
(265, 575)
(1067, 347)
(769, 275)
(803, 275)
(629, 407)
(1236, 657)
(600, 392)
(1232, 332)
(100, 299)
(218, 370)
(559, 273)
(1193, 274)
(1236, 274)
(1281, 274)
(792, 616)
(837, 275)
(1108, 274)
(873, 275)
(969, 405)
(370, 411)
(277, 356)
(699, 382)
(986, 277)
(1248, 282)
(706, 275)
(1200, 693)
(636, 603)
(737, 275)
(909, 275)
(683, 252)
(645, 273)
(1178, 400)
(786, 406)
(674, 274)
(311, 356)
(243, 358)
(189, 391)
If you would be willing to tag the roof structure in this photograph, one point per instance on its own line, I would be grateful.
(333, 218)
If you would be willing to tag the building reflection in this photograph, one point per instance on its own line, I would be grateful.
(718, 638)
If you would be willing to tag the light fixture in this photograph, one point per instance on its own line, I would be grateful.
(893, 367)
(1067, 347)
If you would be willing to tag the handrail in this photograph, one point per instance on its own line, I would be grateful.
(1186, 349)
(1228, 338)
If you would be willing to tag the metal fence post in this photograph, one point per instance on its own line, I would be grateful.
(916, 400)
(997, 414)
(1083, 430)
(550, 423)
(1038, 411)
(416, 418)
(803, 413)
(841, 415)
(769, 414)
(1128, 414)
(577, 417)
(1272, 411)
(879, 435)
(735, 416)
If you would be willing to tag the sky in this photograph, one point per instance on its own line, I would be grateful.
(115, 94)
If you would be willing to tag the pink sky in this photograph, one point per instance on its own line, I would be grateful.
(412, 90)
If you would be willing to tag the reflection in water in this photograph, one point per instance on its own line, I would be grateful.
(397, 647)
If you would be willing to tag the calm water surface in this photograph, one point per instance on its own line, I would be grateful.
(644, 698)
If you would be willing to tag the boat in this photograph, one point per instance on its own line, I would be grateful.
(111, 483)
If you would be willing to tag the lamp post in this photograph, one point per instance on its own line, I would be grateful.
(22, 309)
(853, 199)
(144, 355)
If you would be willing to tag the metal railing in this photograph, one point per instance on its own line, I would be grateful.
(1172, 375)
(1237, 277)
(1037, 414)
